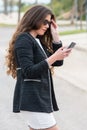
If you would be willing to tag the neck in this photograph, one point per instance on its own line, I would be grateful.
(33, 33)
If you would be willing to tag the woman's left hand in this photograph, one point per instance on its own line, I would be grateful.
(54, 31)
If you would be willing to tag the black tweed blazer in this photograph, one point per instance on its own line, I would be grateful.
(34, 85)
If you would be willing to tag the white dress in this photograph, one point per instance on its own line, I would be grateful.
(38, 120)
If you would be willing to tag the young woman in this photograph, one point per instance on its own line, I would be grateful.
(33, 50)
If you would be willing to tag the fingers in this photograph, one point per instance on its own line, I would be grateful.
(66, 53)
(67, 49)
(62, 48)
(54, 24)
(63, 52)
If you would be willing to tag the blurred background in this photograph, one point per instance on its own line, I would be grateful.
(70, 80)
(71, 12)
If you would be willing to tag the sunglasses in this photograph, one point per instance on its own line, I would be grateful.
(45, 22)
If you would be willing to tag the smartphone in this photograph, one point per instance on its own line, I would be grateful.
(72, 44)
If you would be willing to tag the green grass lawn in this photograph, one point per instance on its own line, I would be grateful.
(72, 32)
(6, 25)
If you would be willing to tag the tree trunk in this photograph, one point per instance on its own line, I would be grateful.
(11, 5)
(36, 2)
(5, 6)
(19, 10)
(72, 15)
(81, 17)
(51, 4)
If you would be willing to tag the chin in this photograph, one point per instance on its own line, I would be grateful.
(42, 33)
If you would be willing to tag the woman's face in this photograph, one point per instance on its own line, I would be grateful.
(45, 25)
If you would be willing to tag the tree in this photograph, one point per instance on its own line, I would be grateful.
(56, 6)
(36, 2)
(11, 3)
(80, 11)
(19, 10)
(60, 6)
(5, 3)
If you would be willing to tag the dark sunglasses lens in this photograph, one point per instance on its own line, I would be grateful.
(46, 22)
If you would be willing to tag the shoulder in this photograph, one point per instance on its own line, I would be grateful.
(24, 40)
(24, 35)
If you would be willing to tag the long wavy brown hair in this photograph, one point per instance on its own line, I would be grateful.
(32, 20)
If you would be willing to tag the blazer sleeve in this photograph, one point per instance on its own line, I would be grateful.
(56, 46)
(25, 57)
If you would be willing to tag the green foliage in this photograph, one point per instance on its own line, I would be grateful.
(72, 32)
(60, 6)
(57, 8)
(67, 4)
(24, 8)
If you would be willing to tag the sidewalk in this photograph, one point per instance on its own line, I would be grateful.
(74, 69)
(80, 39)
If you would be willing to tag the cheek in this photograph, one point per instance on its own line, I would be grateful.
(40, 29)
(40, 32)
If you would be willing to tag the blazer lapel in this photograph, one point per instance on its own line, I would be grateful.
(42, 49)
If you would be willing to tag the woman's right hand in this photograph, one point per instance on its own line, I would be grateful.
(60, 54)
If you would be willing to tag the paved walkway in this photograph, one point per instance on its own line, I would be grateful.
(74, 69)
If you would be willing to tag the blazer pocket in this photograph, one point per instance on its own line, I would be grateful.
(32, 86)
(34, 80)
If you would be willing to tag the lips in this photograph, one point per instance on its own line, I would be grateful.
(44, 30)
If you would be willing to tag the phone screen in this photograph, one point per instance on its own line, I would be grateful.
(71, 45)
